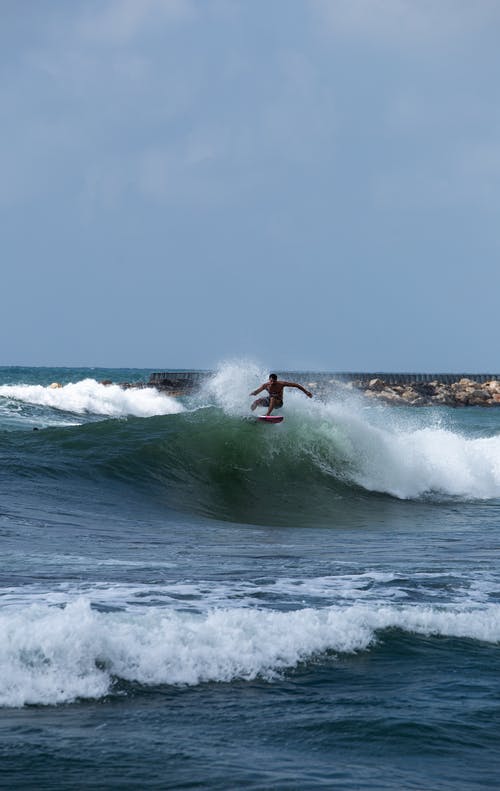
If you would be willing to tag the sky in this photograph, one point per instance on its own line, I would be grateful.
(309, 184)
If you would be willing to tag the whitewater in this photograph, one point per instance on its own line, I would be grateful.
(321, 597)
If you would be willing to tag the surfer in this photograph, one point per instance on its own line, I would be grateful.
(275, 389)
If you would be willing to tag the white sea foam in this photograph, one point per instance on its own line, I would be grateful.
(51, 655)
(405, 460)
(202, 596)
(91, 397)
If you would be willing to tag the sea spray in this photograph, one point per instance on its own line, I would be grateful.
(230, 387)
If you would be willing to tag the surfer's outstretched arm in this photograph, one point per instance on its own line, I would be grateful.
(259, 389)
(299, 387)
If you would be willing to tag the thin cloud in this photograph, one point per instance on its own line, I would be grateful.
(467, 175)
(120, 21)
(400, 22)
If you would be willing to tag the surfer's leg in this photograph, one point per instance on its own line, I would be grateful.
(272, 405)
(259, 402)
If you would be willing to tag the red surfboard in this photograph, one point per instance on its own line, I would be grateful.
(270, 418)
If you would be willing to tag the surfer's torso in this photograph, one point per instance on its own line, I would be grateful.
(275, 389)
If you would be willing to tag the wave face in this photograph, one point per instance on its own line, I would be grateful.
(207, 455)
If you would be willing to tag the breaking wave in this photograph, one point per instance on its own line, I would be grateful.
(207, 455)
(53, 655)
(89, 397)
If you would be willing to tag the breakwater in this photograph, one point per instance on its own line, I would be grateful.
(191, 379)
(414, 389)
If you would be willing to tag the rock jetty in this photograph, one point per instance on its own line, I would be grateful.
(464, 392)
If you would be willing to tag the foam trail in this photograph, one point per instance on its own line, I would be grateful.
(91, 397)
(50, 655)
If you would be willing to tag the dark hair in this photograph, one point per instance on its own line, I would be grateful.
(273, 377)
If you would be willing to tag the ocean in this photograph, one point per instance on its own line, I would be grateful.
(191, 599)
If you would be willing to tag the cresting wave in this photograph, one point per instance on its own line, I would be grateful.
(89, 397)
(52, 655)
(208, 455)
(378, 449)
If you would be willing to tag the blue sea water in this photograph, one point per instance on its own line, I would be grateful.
(190, 599)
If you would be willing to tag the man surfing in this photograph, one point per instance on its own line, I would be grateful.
(275, 389)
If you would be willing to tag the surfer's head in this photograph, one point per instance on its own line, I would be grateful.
(273, 377)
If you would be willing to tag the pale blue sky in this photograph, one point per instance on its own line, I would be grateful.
(309, 184)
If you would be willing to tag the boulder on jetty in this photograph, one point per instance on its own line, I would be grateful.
(464, 392)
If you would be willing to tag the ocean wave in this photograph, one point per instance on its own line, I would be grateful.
(90, 397)
(207, 455)
(378, 449)
(51, 655)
